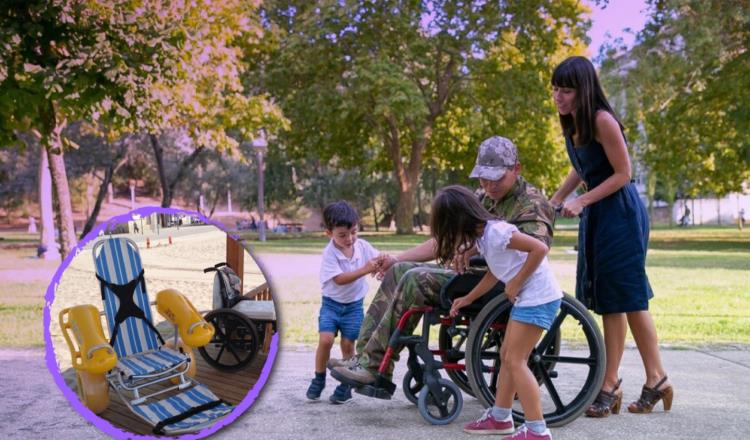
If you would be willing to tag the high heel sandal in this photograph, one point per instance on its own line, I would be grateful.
(606, 403)
(651, 396)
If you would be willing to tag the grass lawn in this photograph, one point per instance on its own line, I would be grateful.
(700, 276)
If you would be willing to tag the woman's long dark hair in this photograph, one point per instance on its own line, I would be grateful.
(456, 215)
(578, 73)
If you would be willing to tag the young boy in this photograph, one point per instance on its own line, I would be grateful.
(346, 261)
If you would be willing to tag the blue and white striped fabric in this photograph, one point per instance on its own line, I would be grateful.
(151, 362)
(119, 262)
(179, 404)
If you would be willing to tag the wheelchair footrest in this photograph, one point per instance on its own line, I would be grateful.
(185, 412)
(410, 340)
(382, 388)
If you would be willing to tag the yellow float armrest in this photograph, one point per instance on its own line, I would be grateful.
(82, 329)
(178, 310)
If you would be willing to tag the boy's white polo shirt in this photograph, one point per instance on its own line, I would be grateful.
(334, 262)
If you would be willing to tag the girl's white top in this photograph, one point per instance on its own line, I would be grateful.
(540, 288)
(334, 262)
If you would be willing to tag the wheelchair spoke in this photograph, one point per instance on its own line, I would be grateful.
(569, 360)
(221, 351)
(552, 390)
(495, 374)
(551, 333)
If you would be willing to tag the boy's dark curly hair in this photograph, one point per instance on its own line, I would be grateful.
(339, 214)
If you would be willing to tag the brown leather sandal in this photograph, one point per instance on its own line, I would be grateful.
(651, 396)
(606, 403)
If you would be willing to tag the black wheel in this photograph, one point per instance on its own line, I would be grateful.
(568, 361)
(443, 409)
(234, 343)
(412, 386)
(452, 341)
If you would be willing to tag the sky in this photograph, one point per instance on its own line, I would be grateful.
(618, 15)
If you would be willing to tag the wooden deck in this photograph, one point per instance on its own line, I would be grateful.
(231, 387)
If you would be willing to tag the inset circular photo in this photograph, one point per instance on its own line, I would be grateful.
(160, 324)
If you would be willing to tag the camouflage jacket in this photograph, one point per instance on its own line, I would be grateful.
(526, 208)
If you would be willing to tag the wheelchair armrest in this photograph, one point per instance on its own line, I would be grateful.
(477, 261)
(178, 310)
(94, 353)
(461, 284)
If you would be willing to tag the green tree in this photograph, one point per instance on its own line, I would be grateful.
(394, 82)
(684, 89)
(134, 66)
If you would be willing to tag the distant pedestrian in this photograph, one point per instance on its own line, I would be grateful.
(741, 219)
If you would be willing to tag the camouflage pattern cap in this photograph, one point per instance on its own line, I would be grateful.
(496, 155)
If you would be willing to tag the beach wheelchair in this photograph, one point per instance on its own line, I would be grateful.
(152, 377)
(242, 322)
(568, 361)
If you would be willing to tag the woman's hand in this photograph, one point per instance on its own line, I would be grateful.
(458, 303)
(573, 208)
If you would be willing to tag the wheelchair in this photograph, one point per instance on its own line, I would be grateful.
(568, 361)
(241, 322)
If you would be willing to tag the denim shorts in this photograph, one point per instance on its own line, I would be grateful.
(345, 317)
(540, 316)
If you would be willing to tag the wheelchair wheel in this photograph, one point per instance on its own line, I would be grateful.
(93, 390)
(234, 343)
(441, 410)
(568, 360)
(412, 386)
(452, 341)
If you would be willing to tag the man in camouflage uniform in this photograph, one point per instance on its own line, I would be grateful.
(407, 283)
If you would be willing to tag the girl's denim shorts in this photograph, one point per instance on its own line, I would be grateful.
(540, 316)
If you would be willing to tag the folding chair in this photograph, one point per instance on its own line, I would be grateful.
(136, 361)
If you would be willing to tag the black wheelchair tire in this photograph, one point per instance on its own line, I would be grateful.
(412, 387)
(563, 413)
(235, 334)
(427, 400)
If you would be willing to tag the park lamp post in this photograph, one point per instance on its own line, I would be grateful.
(260, 145)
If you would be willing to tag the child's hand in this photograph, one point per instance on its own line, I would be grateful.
(458, 303)
(373, 265)
(512, 289)
(385, 261)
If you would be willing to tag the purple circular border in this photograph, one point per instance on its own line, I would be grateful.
(72, 397)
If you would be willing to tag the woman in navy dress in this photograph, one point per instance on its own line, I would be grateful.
(612, 236)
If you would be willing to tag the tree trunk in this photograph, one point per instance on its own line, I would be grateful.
(375, 214)
(52, 142)
(168, 187)
(405, 210)
(407, 175)
(47, 221)
(166, 195)
(114, 165)
(650, 193)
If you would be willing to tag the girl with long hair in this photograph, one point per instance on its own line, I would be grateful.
(459, 223)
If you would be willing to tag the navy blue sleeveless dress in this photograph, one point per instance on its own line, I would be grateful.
(612, 240)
